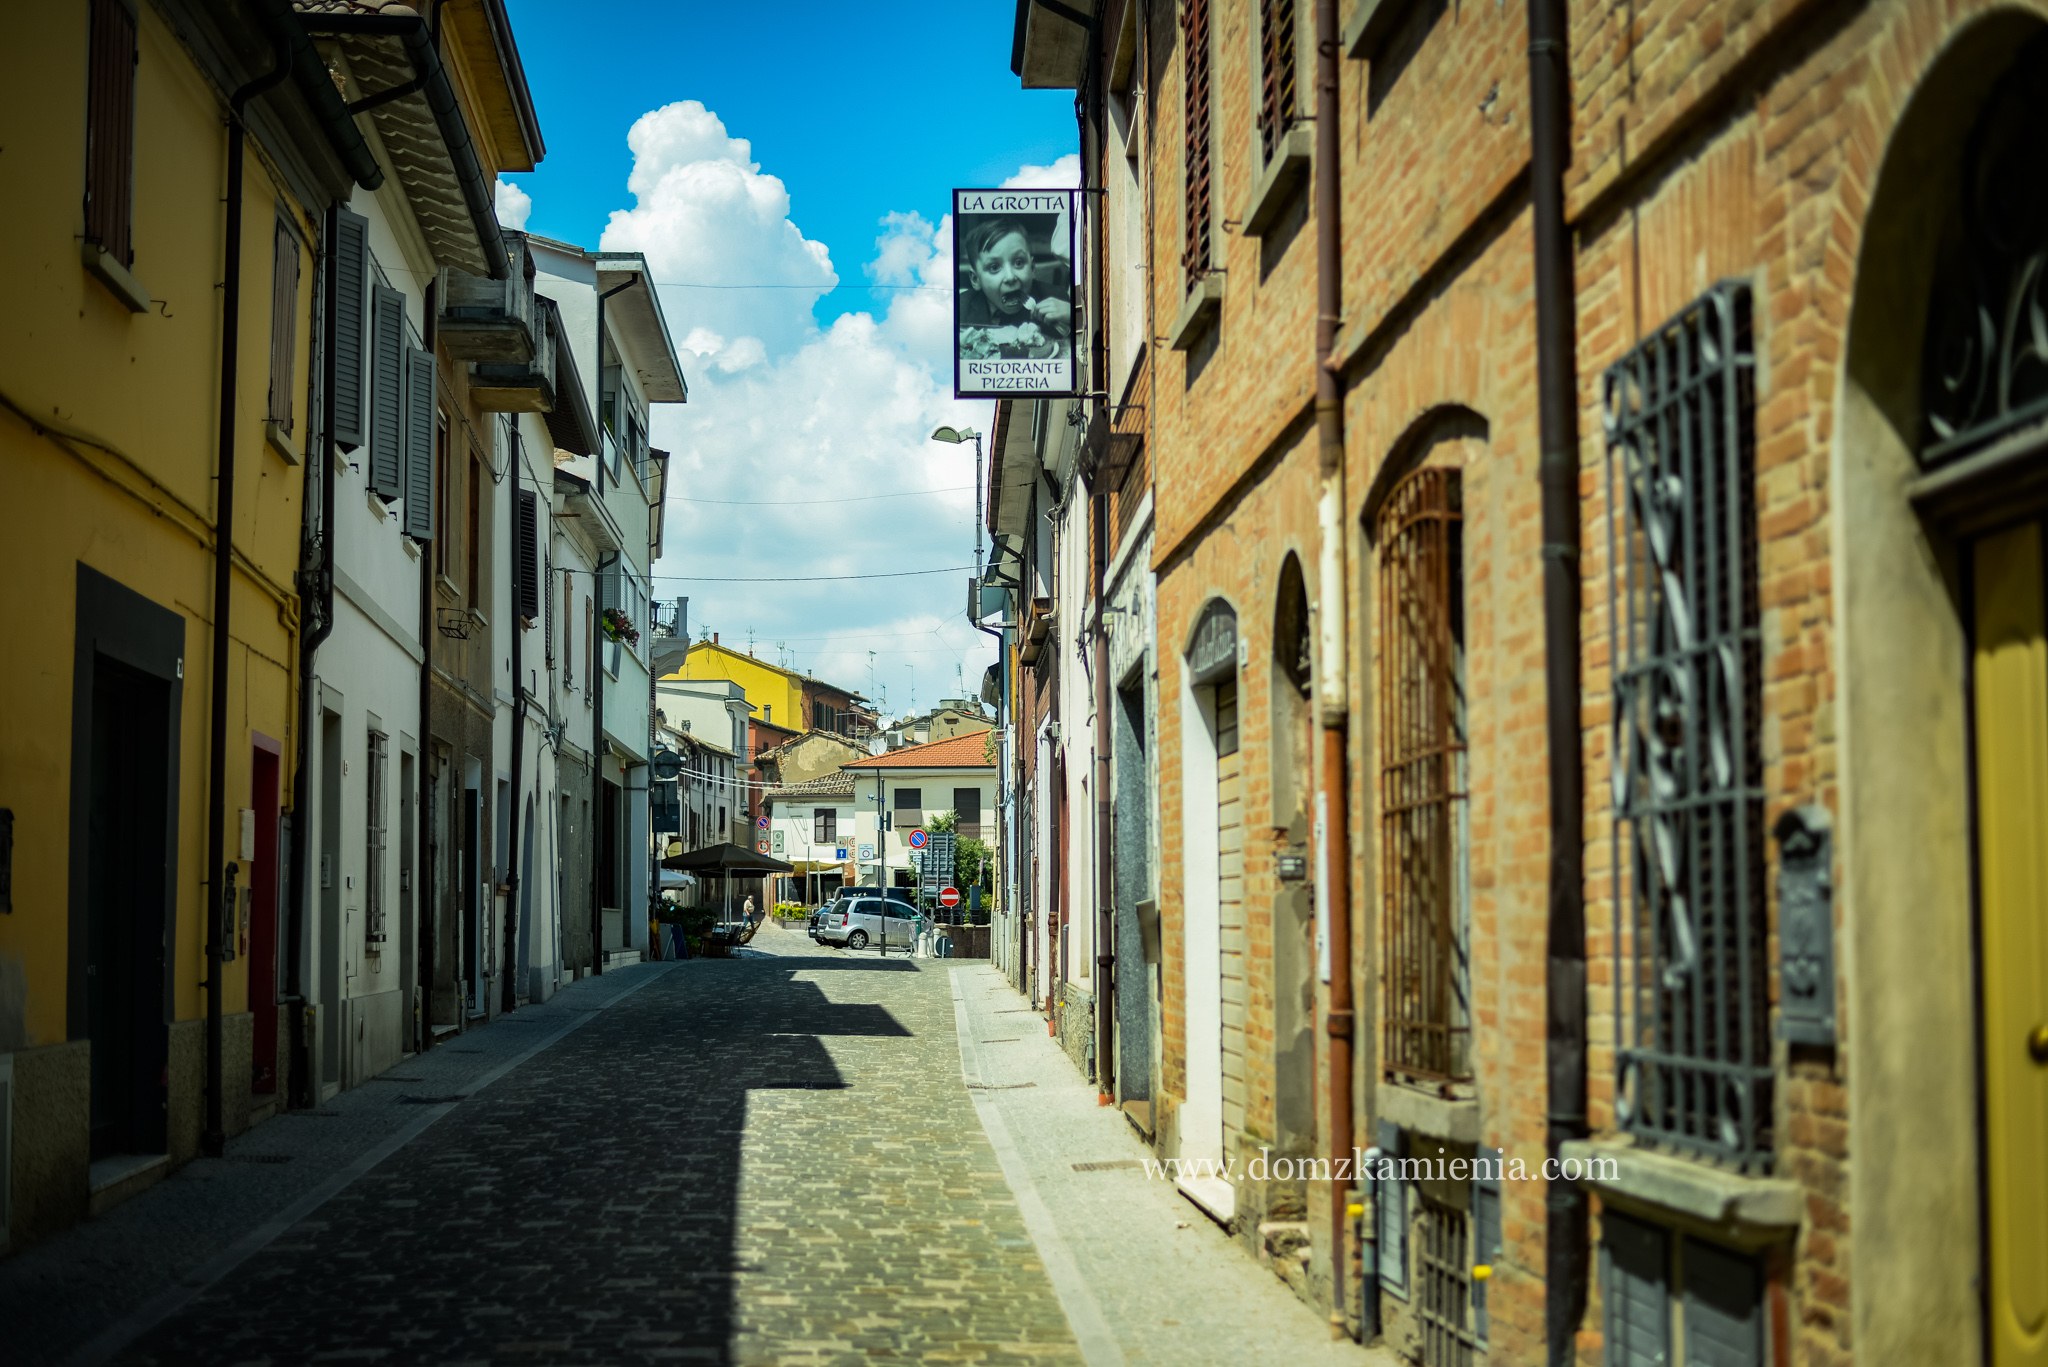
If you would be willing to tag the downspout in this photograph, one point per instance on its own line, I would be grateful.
(425, 890)
(1332, 815)
(316, 588)
(220, 880)
(1091, 102)
(508, 995)
(432, 81)
(1565, 1250)
(597, 748)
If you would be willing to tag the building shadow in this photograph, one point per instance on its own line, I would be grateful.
(581, 1209)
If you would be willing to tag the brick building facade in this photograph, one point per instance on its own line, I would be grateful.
(1799, 256)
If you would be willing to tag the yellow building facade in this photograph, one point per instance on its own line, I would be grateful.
(775, 694)
(111, 367)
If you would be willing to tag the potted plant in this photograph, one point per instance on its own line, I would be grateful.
(619, 627)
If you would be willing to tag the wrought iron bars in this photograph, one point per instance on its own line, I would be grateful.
(1443, 1268)
(1195, 258)
(1278, 96)
(1691, 1006)
(1423, 814)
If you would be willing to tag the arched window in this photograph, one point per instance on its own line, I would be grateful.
(1424, 824)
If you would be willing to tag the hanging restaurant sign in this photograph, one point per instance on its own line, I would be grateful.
(1013, 294)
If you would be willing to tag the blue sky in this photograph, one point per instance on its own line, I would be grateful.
(800, 146)
(858, 118)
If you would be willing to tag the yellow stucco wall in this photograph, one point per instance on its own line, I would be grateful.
(121, 478)
(767, 687)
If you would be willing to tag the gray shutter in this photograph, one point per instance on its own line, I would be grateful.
(1724, 1323)
(1390, 1202)
(1486, 1243)
(608, 588)
(284, 324)
(419, 444)
(387, 391)
(1634, 1262)
(351, 325)
(526, 555)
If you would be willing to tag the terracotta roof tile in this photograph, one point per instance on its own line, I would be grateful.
(956, 752)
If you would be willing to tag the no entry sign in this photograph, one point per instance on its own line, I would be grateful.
(949, 897)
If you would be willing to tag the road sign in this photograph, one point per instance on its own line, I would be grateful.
(760, 847)
(867, 852)
(918, 839)
(949, 897)
(839, 853)
(762, 823)
(667, 764)
(778, 841)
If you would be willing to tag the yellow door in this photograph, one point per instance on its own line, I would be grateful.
(2011, 644)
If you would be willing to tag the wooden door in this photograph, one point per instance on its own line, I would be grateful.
(2011, 695)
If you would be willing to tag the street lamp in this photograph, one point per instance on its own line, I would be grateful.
(956, 435)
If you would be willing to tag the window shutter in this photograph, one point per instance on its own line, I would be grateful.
(1724, 1323)
(1486, 1242)
(1194, 29)
(351, 257)
(608, 588)
(527, 555)
(110, 129)
(284, 325)
(387, 393)
(419, 444)
(1634, 1260)
(1390, 1201)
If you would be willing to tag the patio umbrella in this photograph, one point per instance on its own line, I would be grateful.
(728, 859)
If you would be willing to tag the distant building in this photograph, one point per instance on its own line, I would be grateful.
(783, 697)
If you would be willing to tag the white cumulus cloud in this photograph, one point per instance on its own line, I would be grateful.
(804, 452)
(1063, 174)
(514, 204)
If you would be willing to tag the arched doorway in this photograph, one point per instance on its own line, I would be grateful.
(1212, 910)
(1943, 527)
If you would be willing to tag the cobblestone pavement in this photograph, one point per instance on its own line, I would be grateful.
(769, 1160)
(803, 1156)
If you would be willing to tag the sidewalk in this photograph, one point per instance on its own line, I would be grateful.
(80, 1296)
(1144, 1275)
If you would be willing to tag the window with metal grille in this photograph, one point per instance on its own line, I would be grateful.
(1423, 788)
(1691, 1007)
(110, 129)
(373, 843)
(824, 825)
(284, 325)
(1278, 62)
(1195, 256)
(1443, 1289)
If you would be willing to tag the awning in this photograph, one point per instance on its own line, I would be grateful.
(727, 857)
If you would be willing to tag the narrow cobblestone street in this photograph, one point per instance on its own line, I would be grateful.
(775, 1159)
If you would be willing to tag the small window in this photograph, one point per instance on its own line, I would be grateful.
(373, 843)
(1279, 54)
(475, 529)
(284, 326)
(1658, 1286)
(825, 825)
(1196, 259)
(908, 799)
(110, 130)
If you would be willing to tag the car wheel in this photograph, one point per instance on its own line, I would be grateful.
(857, 940)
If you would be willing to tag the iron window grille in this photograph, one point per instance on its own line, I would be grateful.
(1423, 781)
(1443, 1271)
(1691, 1028)
(1279, 99)
(1196, 259)
(374, 842)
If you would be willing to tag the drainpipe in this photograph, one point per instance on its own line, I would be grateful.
(1105, 953)
(1332, 817)
(220, 879)
(1565, 1250)
(508, 995)
(316, 591)
(424, 890)
(597, 749)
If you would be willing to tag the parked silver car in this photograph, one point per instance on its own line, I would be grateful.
(860, 922)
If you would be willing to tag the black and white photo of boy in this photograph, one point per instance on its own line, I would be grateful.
(1014, 313)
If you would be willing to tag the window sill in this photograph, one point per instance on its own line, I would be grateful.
(1427, 1114)
(379, 509)
(280, 439)
(1204, 304)
(1736, 1208)
(445, 587)
(1283, 177)
(115, 276)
